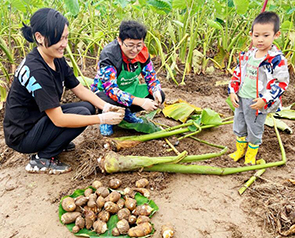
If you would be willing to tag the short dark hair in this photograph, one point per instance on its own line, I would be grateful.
(49, 22)
(267, 17)
(132, 30)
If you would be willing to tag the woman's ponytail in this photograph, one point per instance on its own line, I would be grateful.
(27, 33)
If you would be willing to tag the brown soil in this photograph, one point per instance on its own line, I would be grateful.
(196, 205)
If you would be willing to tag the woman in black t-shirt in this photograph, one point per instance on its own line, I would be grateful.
(35, 121)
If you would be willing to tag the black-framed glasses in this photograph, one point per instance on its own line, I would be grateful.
(132, 47)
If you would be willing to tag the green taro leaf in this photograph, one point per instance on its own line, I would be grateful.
(214, 24)
(228, 101)
(285, 113)
(210, 117)
(145, 127)
(241, 6)
(72, 6)
(280, 124)
(161, 5)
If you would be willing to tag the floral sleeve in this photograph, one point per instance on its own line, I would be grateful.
(149, 74)
(108, 77)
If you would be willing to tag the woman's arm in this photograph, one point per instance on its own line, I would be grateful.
(86, 95)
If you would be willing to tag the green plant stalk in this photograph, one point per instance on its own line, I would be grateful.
(119, 143)
(165, 133)
(202, 169)
(253, 178)
(4, 47)
(163, 57)
(76, 66)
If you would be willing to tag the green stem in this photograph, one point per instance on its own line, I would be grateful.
(201, 169)
(253, 178)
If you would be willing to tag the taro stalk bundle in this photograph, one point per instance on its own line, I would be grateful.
(113, 162)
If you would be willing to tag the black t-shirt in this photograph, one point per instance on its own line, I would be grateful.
(35, 88)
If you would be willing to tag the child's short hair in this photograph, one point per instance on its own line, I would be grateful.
(132, 30)
(267, 17)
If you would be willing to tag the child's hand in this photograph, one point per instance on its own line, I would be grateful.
(258, 104)
(234, 100)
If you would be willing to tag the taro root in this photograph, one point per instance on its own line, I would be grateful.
(132, 219)
(69, 217)
(100, 227)
(87, 192)
(81, 200)
(140, 230)
(104, 215)
(102, 191)
(142, 219)
(100, 201)
(113, 196)
(145, 192)
(92, 200)
(130, 203)
(121, 203)
(115, 232)
(115, 183)
(142, 210)
(68, 204)
(75, 229)
(129, 192)
(142, 183)
(167, 231)
(80, 222)
(96, 184)
(89, 218)
(123, 226)
(111, 207)
(124, 213)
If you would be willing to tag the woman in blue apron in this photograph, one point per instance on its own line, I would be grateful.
(122, 62)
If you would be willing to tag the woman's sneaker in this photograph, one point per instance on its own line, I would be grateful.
(131, 117)
(106, 129)
(44, 165)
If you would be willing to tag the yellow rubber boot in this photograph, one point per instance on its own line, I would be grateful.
(241, 145)
(250, 156)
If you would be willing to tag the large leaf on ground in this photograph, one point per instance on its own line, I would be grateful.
(210, 117)
(145, 127)
(280, 124)
(140, 199)
(286, 113)
(180, 111)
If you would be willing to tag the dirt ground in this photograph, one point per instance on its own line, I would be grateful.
(198, 206)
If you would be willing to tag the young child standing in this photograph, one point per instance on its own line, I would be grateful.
(257, 85)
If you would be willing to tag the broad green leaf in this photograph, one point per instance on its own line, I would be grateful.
(179, 111)
(86, 82)
(210, 117)
(161, 5)
(72, 6)
(286, 26)
(214, 24)
(285, 113)
(221, 56)
(230, 3)
(179, 4)
(280, 124)
(140, 199)
(228, 101)
(241, 6)
(145, 127)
